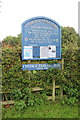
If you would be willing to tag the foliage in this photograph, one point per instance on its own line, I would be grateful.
(12, 41)
(50, 110)
(69, 37)
(20, 105)
(14, 79)
(29, 98)
(69, 101)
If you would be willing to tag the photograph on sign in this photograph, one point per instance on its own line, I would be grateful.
(51, 51)
(43, 52)
(28, 52)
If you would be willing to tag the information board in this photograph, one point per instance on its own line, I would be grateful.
(41, 39)
(40, 66)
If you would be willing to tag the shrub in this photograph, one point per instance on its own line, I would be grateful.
(16, 79)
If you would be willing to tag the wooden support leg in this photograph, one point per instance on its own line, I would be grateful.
(62, 73)
(29, 76)
(53, 91)
(61, 92)
(6, 97)
(29, 71)
(62, 63)
(2, 97)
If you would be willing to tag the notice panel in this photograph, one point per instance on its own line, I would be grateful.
(28, 52)
(40, 66)
(41, 39)
(44, 52)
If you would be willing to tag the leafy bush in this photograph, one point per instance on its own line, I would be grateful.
(29, 98)
(69, 101)
(20, 105)
(14, 79)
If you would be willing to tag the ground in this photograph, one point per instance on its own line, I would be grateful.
(50, 110)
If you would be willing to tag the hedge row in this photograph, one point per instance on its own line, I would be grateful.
(14, 78)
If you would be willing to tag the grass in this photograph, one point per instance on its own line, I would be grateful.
(51, 110)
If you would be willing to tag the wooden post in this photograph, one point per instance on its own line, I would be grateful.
(53, 91)
(62, 63)
(29, 70)
(6, 97)
(61, 92)
(62, 73)
(29, 73)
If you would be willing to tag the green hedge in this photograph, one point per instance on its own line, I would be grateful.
(14, 78)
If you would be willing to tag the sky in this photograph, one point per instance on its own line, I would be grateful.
(14, 12)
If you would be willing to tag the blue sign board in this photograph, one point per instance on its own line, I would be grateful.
(41, 39)
(40, 66)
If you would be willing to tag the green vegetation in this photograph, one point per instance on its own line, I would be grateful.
(19, 83)
(50, 110)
